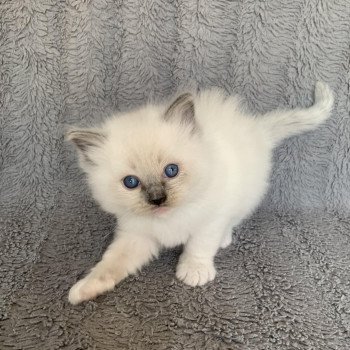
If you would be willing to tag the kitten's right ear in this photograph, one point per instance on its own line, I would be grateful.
(86, 141)
(183, 110)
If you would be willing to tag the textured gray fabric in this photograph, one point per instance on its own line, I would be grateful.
(284, 284)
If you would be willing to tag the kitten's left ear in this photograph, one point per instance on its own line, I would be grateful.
(183, 109)
(86, 140)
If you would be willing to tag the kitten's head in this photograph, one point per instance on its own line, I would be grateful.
(144, 162)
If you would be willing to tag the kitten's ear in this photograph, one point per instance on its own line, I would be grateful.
(86, 141)
(182, 108)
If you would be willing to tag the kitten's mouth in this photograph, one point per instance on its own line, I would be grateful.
(159, 210)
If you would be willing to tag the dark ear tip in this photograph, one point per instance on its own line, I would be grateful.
(85, 139)
(186, 96)
(182, 107)
(69, 131)
(71, 135)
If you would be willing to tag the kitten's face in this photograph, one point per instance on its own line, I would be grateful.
(146, 162)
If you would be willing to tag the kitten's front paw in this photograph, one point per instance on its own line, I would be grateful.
(194, 271)
(89, 288)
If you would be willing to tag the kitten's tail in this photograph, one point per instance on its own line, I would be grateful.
(282, 124)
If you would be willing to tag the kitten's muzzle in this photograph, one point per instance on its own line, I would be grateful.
(157, 201)
(156, 195)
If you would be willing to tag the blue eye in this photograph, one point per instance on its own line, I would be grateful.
(171, 170)
(131, 181)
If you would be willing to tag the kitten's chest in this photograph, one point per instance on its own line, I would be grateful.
(168, 231)
(173, 232)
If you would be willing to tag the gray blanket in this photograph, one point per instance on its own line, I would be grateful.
(284, 283)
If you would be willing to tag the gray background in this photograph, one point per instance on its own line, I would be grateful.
(284, 284)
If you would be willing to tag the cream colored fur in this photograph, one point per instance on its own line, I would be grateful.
(224, 159)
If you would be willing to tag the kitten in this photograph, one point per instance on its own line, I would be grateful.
(184, 173)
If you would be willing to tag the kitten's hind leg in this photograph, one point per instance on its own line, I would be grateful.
(124, 256)
(226, 239)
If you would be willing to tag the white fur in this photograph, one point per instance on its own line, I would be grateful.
(224, 171)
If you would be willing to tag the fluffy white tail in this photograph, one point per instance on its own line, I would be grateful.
(282, 124)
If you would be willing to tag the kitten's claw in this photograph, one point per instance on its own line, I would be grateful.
(89, 288)
(194, 271)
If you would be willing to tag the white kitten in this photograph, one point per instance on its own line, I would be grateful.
(181, 174)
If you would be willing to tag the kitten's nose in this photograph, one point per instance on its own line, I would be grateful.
(158, 201)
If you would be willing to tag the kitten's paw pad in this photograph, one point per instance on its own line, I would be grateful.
(89, 288)
(195, 272)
